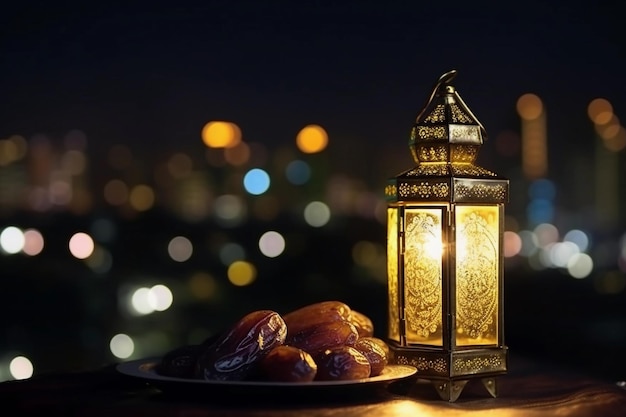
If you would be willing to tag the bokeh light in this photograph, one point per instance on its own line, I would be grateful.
(229, 210)
(122, 346)
(11, 240)
(160, 297)
(81, 245)
(512, 244)
(221, 134)
(256, 181)
(600, 111)
(316, 214)
(241, 273)
(546, 234)
(140, 301)
(580, 265)
(33, 242)
(142, 197)
(579, 238)
(529, 106)
(21, 367)
(272, 244)
(180, 249)
(312, 139)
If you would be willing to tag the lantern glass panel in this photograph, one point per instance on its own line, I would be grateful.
(476, 271)
(423, 292)
(392, 272)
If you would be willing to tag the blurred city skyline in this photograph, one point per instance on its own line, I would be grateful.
(109, 187)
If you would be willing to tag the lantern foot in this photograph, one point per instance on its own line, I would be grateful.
(491, 386)
(449, 390)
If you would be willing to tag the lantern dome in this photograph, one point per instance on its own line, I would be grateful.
(446, 135)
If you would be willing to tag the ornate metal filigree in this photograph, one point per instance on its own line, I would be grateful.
(436, 365)
(479, 364)
(458, 115)
(481, 191)
(438, 115)
(432, 133)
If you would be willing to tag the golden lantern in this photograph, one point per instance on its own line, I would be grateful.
(445, 226)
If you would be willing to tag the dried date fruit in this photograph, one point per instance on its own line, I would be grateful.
(384, 346)
(374, 353)
(316, 338)
(235, 353)
(363, 323)
(313, 314)
(287, 364)
(180, 362)
(342, 363)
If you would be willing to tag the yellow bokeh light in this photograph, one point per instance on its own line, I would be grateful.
(529, 106)
(600, 111)
(617, 142)
(141, 197)
(312, 139)
(219, 134)
(609, 129)
(241, 273)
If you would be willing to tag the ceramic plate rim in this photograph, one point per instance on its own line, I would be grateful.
(145, 369)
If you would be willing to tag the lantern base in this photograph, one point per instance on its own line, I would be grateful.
(450, 390)
(449, 371)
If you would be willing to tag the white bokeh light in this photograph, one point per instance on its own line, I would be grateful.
(81, 245)
(12, 240)
(562, 252)
(140, 301)
(272, 244)
(180, 249)
(21, 367)
(160, 298)
(580, 265)
(122, 346)
(316, 214)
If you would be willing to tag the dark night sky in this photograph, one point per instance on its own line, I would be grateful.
(155, 72)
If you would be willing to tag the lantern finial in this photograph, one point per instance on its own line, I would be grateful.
(446, 130)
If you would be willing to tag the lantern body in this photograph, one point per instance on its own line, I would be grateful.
(445, 225)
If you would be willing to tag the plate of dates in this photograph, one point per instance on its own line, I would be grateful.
(326, 345)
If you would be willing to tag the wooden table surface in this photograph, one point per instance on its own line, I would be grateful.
(529, 389)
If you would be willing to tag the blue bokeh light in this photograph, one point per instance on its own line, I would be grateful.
(256, 181)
